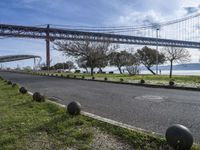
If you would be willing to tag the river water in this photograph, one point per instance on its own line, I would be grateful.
(176, 72)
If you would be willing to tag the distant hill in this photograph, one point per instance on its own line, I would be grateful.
(190, 66)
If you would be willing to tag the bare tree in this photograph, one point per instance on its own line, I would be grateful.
(91, 52)
(70, 65)
(118, 59)
(82, 64)
(175, 54)
(132, 63)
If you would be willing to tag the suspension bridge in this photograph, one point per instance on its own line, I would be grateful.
(184, 32)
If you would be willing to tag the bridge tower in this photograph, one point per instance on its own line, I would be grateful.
(47, 47)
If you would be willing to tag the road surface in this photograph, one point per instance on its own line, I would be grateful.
(153, 109)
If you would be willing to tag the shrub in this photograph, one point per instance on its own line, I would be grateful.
(77, 71)
(1, 78)
(171, 83)
(23, 90)
(83, 77)
(111, 72)
(61, 75)
(93, 78)
(142, 81)
(74, 76)
(105, 78)
(121, 80)
(67, 76)
(38, 97)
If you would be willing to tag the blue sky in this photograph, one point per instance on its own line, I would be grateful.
(84, 12)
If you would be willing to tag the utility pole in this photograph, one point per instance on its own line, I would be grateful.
(34, 66)
(157, 30)
(47, 47)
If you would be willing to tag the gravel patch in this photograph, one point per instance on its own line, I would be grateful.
(104, 141)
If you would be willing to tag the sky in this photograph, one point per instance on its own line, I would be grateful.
(87, 13)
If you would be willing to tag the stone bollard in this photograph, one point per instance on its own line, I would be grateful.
(38, 97)
(179, 137)
(74, 108)
(9, 82)
(23, 90)
(14, 85)
(142, 81)
(171, 83)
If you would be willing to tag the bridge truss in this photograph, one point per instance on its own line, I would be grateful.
(51, 34)
(63, 34)
(10, 58)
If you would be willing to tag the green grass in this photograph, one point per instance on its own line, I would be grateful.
(158, 78)
(25, 124)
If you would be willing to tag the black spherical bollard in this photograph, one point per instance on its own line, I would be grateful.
(38, 97)
(74, 108)
(23, 90)
(14, 85)
(171, 83)
(142, 81)
(9, 82)
(179, 137)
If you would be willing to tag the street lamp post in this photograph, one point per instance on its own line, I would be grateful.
(157, 30)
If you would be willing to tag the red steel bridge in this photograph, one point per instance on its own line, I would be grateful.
(181, 33)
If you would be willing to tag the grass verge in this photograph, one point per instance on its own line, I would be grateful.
(25, 124)
(126, 77)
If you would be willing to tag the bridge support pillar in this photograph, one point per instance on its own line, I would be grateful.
(47, 48)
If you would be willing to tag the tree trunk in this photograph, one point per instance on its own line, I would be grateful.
(151, 70)
(171, 65)
(129, 72)
(86, 70)
(100, 70)
(92, 70)
(120, 70)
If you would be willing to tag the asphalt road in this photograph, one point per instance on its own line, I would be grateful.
(153, 109)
